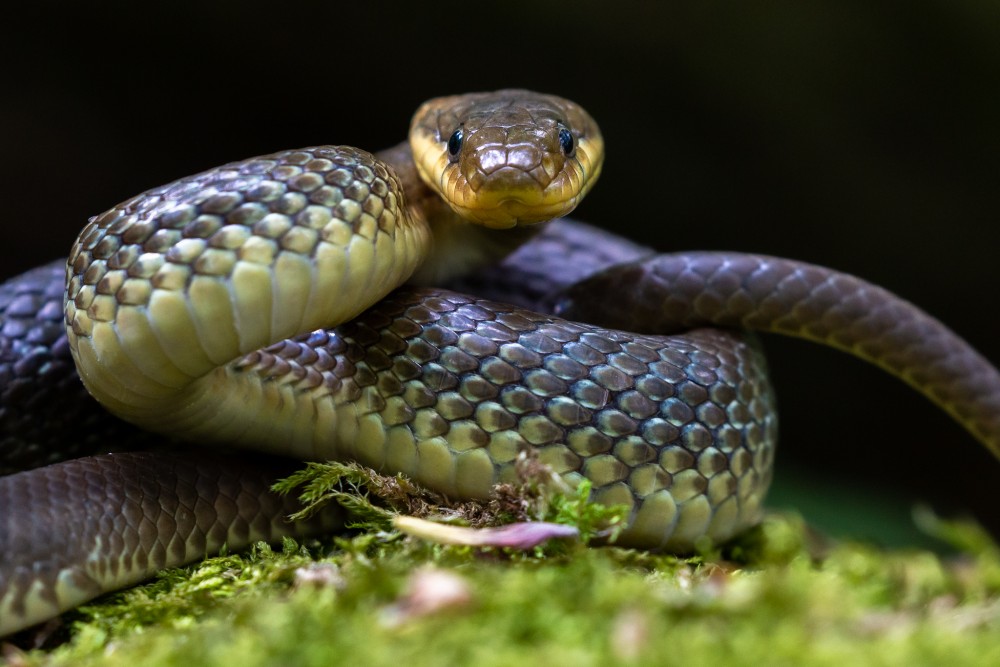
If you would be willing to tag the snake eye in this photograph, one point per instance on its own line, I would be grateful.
(455, 142)
(567, 141)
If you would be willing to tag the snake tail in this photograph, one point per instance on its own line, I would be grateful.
(756, 292)
(74, 530)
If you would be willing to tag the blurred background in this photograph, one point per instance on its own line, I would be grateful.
(859, 134)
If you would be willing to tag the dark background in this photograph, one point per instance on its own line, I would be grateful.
(859, 134)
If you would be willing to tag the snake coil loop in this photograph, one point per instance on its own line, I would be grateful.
(261, 304)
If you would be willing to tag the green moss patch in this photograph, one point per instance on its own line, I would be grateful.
(779, 595)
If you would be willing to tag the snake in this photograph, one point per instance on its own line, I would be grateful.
(413, 310)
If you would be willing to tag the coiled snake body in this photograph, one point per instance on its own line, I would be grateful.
(203, 309)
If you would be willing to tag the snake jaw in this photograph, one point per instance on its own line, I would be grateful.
(511, 165)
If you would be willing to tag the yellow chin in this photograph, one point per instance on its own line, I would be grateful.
(512, 212)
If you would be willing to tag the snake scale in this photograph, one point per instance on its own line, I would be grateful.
(262, 304)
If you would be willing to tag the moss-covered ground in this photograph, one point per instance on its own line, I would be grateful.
(780, 595)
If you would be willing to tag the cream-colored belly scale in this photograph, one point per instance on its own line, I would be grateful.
(170, 286)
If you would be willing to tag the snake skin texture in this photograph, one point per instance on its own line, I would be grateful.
(168, 285)
(755, 292)
(120, 518)
(449, 389)
(258, 305)
(42, 405)
(46, 415)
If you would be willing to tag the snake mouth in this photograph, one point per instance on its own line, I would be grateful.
(509, 158)
(506, 207)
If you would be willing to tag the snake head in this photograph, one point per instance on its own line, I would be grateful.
(507, 158)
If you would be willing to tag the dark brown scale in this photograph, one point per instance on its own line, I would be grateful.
(45, 413)
(161, 509)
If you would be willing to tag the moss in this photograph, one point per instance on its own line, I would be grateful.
(779, 595)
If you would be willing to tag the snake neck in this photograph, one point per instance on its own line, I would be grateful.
(459, 247)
